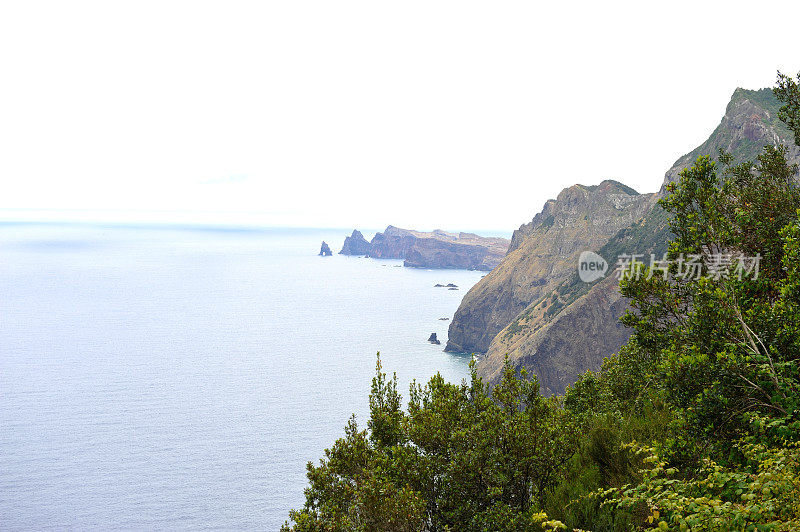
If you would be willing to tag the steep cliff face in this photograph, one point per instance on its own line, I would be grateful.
(546, 344)
(433, 253)
(355, 244)
(543, 253)
(436, 249)
(393, 243)
(576, 325)
(750, 122)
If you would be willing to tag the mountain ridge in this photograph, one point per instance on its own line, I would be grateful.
(542, 254)
(552, 336)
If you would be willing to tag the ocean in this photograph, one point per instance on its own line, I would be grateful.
(182, 377)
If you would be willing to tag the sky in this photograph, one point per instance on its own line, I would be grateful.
(422, 114)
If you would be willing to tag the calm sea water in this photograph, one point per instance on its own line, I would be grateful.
(175, 378)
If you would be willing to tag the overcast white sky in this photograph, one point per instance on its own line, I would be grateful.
(459, 115)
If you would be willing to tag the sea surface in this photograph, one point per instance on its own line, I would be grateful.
(181, 378)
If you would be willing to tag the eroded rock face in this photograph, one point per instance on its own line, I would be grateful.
(432, 253)
(750, 122)
(325, 250)
(573, 327)
(393, 243)
(435, 249)
(559, 349)
(543, 253)
(355, 244)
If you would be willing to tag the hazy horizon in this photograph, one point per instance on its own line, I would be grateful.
(96, 219)
(449, 115)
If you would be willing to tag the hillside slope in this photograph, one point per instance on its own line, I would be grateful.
(572, 327)
(542, 255)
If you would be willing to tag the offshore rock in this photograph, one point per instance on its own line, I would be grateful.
(325, 250)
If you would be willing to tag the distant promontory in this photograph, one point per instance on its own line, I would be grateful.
(355, 244)
(435, 249)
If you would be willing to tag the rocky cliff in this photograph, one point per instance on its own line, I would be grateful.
(543, 254)
(355, 244)
(573, 327)
(750, 122)
(467, 251)
(547, 344)
(436, 249)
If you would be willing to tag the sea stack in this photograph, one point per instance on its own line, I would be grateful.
(325, 250)
(432, 339)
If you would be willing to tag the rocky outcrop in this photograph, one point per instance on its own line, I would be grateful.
(325, 250)
(393, 243)
(573, 327)
(543, 254)
(432, 253)
(750, 122)
(436, 249)
(559, 348)
(355, 244)
(433, 339)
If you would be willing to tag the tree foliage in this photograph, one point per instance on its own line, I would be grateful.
(459, 457)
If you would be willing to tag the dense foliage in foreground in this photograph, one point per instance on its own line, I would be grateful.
(693, 425)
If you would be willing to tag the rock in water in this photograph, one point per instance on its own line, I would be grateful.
(432, 339)
(355, 244)
(325, 250)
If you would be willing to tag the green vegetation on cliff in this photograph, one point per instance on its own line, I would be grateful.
(693, 425)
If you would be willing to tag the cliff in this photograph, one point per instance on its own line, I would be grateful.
(393, 243)
(436, 249)
(750, 122)
(542, 254)
(355, 244)
(572, 328)
(558, 348)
